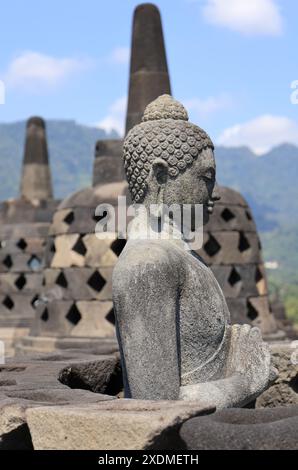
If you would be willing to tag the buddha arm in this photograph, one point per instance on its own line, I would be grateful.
(247, 372)
(224, 393)
(146, 308)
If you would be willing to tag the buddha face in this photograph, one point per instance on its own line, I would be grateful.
(196, 185)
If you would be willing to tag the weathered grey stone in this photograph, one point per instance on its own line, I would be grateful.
(16, 282)
(149, 77)
(36, 178)
(223, 248)
(17, 306)
(252, 310)
(48, 344)
(103, 376)
(283, 322)
(284, 392)
(20, 262)
(49, 380)
(233, 251)
(14, 233)
(24, 224)
(167, 302)
(235, 218)
(118, 425)
(239, 280)
(88, 284)
(108, 167)
(243, 430)
(92, 197)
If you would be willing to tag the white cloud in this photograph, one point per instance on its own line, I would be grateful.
(251, 17)
(115, 119)
(33, 70)
(204, 107)
(261, 133)
(120, 55)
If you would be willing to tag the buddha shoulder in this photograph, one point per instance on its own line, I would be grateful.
(147, 258)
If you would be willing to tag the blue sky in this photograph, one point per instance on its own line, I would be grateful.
(231, 62)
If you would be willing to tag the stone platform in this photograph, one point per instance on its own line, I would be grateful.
(48, 402)
(69, 401)
(73, 400)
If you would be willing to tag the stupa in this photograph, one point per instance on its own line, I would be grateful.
(75, 308)
(24, 225)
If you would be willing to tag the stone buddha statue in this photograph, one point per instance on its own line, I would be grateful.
(172, 320)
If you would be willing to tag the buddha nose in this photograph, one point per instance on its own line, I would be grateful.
(215, 193)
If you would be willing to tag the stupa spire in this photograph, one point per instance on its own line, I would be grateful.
(149, 76)
(36, 182)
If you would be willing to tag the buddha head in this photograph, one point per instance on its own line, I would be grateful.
(168, 160)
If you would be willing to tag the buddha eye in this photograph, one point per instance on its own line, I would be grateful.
(209, 175)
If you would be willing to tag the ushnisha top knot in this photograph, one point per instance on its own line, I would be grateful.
(165, 133)
(165, 107)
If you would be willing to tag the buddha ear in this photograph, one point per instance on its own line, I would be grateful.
(160, 171)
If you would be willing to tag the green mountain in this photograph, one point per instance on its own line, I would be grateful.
(71, 148)
(269, 183)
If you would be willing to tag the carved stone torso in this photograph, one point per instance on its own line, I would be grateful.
(201, 310)
(173, 323)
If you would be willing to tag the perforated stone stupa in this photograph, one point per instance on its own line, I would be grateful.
(76, 309)
(232, 249)
(24, 224)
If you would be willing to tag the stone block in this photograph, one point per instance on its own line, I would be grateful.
(254, 311)
(230, 218)
(230, 248)
(239, 280)
(243, 429)
(82, 283)
(284, 392)
(118, 425)
(11, 283)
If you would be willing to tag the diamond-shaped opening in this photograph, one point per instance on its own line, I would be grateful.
(73, 315)
(260, 245)
(110, 317)
(20, 282)
(22, 244)
(8, 303)
(244, 244)
(45, 315)
(53, 248)
(8, 262)
(62, 281)
(260, 281)
(294, 383)
(69, 218)
(227, 215)
(79, 247)
(258, 276)
(252, 313)
(96, 281)
(34, 263)
(212, 247)
(234, 277)
(248, 215)
(118, 246)
(34, 301)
